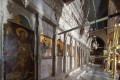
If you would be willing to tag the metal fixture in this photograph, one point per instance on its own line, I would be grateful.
(94, 43)
(25, 3)
(108, 58)
(56, 16)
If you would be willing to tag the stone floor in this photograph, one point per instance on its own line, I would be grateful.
(90, 72)
(96, 73)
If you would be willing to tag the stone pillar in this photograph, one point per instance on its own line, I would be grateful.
(88, 56)
(54, 65)
(65, 53)
(79, 55)
(1, 46)
(38, 48)
(82, 57)
(1, 40)
(85, 56)
(71, 53)
(76, 54)
(83, 53)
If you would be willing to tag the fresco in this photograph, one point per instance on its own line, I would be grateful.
(18, 52)
(46, 46)
(60, 48)
(22, 20)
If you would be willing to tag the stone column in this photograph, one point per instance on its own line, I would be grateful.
(85, 57)
(76, 54)
(54, 65)
(1, 43)
(79, 56)
(71, 53)
(83, 53)
(38, 48)
(65, 53)
(1, 39)
(88, 56)
(82, 57)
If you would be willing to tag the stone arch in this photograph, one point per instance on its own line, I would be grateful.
(98, 34)
(22, 20)
(101, 45)
(102, 38)
(97, 37)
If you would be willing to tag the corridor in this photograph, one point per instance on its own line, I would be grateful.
(59, 39)
(89, 72)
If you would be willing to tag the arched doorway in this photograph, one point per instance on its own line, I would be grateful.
(18, 49)
(99, 50)
(98, 53)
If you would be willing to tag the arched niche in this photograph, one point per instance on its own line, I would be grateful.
(22, 20)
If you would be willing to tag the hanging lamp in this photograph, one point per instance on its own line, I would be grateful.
(25, 3)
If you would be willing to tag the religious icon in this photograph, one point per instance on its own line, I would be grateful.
(18, 53)
(46, 46)
(105, 52)
(60, 48)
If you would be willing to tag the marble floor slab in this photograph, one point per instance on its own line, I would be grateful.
(96, 73)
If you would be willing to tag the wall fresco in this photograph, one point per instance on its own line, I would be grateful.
(18, 52)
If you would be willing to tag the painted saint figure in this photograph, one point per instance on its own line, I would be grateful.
(19, 53)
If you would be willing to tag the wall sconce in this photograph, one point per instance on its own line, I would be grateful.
(25, 2)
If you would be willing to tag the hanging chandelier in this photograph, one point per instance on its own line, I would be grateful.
(25, 3)
(95, 44)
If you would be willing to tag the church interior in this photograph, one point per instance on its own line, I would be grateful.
(59, 40)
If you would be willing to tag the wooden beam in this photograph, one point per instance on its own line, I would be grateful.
(87, 24)
(90, 23)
